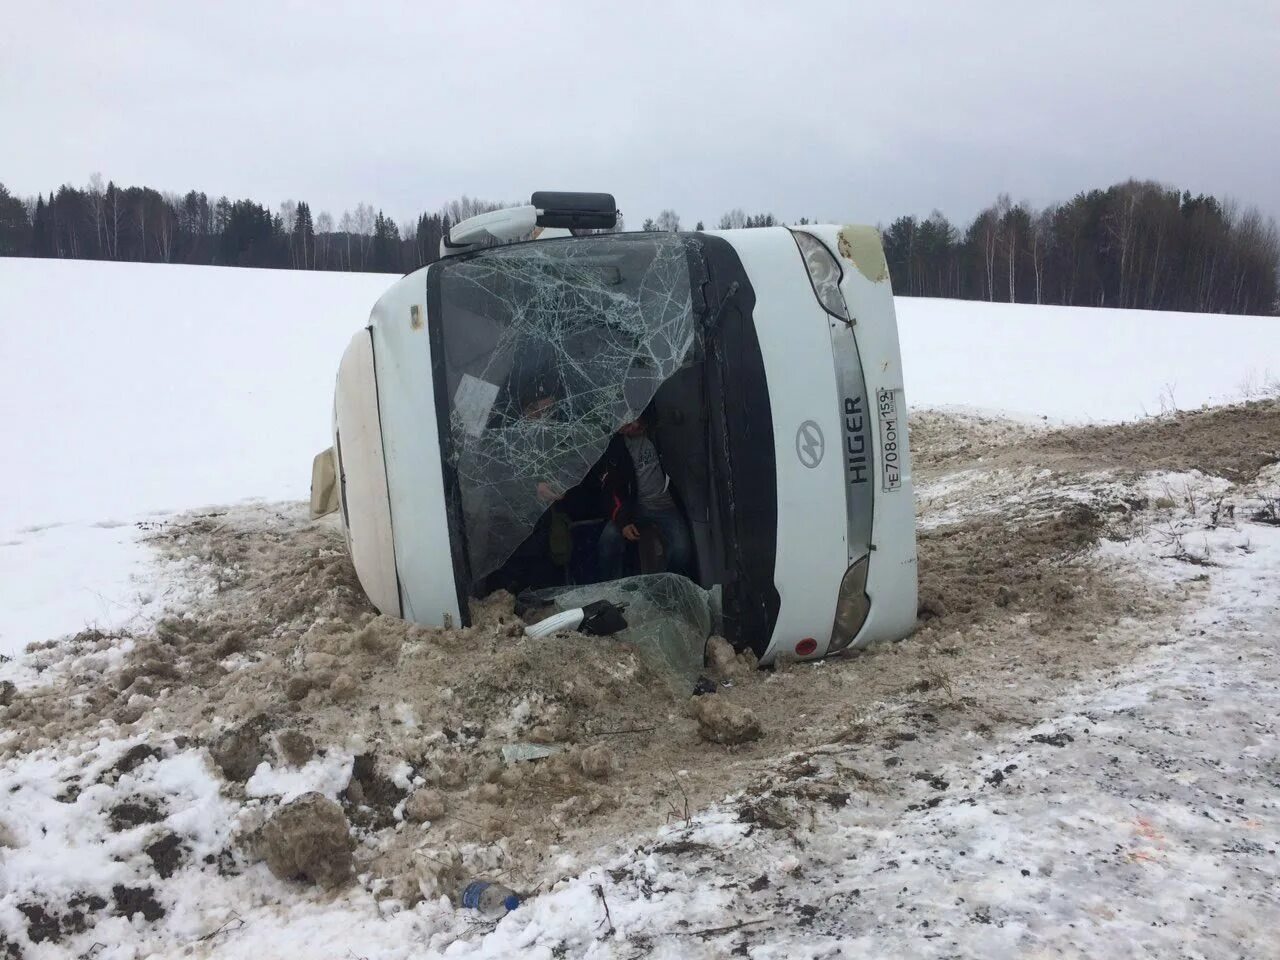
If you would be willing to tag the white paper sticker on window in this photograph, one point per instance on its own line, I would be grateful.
(473, 401)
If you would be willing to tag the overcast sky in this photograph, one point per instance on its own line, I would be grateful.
(841, 111)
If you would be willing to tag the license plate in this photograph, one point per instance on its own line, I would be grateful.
(892, 439)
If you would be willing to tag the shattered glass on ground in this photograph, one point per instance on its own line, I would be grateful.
(549, 348)
(669, 617)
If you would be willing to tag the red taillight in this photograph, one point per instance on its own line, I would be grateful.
(806, 646)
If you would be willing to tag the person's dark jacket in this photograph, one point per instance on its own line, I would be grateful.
(615, 477)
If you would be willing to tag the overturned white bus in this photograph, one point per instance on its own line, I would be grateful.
(488, 386)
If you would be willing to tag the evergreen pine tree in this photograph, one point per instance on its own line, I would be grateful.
(41, 241)
(14, 228)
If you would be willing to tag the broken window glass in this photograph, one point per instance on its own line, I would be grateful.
(668, 617)
(549, 348)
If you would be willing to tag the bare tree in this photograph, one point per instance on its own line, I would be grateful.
(1121, 226)
(669, 221)
(289, 218)
(735, 219)
(167, 224)
(324, 227)
(1038, 244)
(364, 219)
(348, 226)
(140, 218)
(465, 207)
(97, 213)
(1007, 237)
(115, 210)
(987, 229)
(289, 215)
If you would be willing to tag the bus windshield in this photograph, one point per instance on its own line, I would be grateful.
(549, 347)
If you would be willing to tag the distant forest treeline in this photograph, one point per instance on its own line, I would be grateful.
(1135, 244)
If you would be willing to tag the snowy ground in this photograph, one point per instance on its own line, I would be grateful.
(1078, 760)
(132, 390)
(1104, 792)
(1085, 364)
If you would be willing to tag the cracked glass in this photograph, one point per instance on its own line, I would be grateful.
(668, 617)
(550, 347)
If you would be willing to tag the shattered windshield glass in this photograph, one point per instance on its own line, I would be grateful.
(549, 347)
(668, 617)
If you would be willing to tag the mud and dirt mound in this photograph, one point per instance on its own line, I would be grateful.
(481, 752)
(939, 439)
(308, 839)
(1024, 558)
(1233, 442)
(720, 721)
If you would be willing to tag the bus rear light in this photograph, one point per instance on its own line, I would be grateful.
(852, 606)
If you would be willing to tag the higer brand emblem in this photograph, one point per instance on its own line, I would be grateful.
(855, 439)
(809, 444)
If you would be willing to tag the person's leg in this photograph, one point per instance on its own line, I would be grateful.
(611, 551)
(677, 542)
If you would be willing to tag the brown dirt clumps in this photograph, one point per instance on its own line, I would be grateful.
(308, 839)
(720, 721)
(239, 751)
(968, 569)
(596, 761)
(424, 806)
(1233, 442)
(943, 439)
(1014, 604)
(295, 747)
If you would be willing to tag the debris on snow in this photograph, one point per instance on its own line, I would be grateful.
(918, 763)
(720, 721)
(517, 752)
(721, 657)
(239, 751)
(597, 761)
(308, 839)
(424, 805)
(295, 747)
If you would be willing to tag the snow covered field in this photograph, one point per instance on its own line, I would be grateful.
(1081, 364)
(132, 390)
(1076, 756)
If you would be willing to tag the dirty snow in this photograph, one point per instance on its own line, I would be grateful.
(1008, 809)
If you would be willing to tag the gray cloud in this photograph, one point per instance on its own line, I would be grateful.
(828, 110)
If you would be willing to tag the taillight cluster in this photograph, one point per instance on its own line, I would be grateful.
(852, 606)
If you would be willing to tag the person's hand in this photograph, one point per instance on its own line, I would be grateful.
(631, 532)
(548, 493)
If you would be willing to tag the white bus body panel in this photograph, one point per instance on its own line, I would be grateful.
(892, 579)
(795, 343)
(795, 340)
(362, 479)
(411, 446)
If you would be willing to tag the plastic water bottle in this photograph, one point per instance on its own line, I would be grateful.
(493, 900)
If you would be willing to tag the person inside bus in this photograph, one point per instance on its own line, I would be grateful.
(638, 494)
